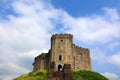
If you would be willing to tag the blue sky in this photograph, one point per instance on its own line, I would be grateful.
(27, 25)
(84, 8)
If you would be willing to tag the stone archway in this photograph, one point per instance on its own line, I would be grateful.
(59, 67)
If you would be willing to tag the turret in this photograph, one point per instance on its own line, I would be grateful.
(61, 48)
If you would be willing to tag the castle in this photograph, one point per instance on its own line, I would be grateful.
(62, 52)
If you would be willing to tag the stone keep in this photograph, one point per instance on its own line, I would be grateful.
(63, 51)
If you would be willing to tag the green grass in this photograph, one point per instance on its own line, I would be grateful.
(34, 75)
(87, 75)
(77, 75)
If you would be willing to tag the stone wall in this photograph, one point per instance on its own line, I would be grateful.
(81, 58)
(41, 62)
(65, 74)
(63, 51)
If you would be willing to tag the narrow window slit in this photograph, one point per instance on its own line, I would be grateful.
(60, 57)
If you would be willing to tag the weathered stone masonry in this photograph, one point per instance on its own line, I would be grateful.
(62, 52)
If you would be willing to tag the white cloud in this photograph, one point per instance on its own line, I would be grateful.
(99, 56)
(110, 76)
(44, 51)
(112, 14)
(115, 59)
(29, 31)
(102, 57)
(94, 28)
(7, 77)
(113, 45)
(23, 36)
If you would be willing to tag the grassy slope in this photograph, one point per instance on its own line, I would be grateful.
(34, 75)
(87, 75)
(77, 75)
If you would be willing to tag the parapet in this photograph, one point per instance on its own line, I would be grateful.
(62, 36)
(80, 48)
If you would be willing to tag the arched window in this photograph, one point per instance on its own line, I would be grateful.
(60, 57)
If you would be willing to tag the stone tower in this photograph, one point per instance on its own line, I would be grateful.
(63, 51)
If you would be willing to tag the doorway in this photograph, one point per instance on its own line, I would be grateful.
(59, 67)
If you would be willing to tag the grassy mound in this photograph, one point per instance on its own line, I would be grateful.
(34, 75)
(87, 75)
(77, 75)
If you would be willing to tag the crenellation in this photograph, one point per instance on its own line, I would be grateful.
(69, 36)
(63, 51)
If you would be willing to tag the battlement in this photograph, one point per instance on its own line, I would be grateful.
(63, 51)
(77, 47)
(62, 36)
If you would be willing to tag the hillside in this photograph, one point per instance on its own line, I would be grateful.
(77, 75)
(34, 75)
(87, 75)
